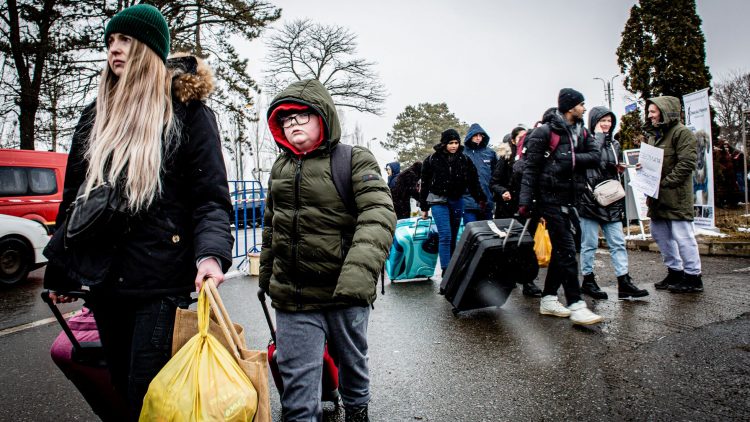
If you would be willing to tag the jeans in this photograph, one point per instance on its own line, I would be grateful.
(136, 335)
(447, 219)
(563, 268)
(301, 338)
(476, 215)
(677, 244)
(615, 240)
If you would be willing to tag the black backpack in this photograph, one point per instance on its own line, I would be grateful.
(341, 169)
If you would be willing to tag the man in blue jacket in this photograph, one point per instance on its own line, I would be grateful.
(484, 160)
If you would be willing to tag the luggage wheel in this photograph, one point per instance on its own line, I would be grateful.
(455, 312)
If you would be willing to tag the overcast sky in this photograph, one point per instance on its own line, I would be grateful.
(497, 63)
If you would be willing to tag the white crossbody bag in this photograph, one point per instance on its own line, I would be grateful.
(609, 191)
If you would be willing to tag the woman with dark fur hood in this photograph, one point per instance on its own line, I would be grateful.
(405, 188)
(446, 174)
(151, 138)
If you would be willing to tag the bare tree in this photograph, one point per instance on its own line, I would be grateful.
(730, 97)
(52, 55)
(305, 50)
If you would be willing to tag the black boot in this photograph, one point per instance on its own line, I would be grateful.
(626, 289)
(531, 290)
(592, 289)
(673, 277)
(356, 414)
(691, 283)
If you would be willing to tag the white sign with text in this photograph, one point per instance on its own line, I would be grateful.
(648, 177)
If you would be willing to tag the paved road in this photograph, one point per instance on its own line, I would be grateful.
(670, 357)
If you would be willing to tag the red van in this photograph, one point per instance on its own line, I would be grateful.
(31, 184)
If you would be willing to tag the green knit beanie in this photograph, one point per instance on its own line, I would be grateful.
(144, 23)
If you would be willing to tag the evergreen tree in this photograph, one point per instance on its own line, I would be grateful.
(417, 130)
(631, 132)
(662, 51)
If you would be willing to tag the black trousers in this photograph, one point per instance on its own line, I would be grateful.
(562, 224)
(136, 335)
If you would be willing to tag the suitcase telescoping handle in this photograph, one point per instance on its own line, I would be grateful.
(59, 317)
(262, 298)
(422, 222)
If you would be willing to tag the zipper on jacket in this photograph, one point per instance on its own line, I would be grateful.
(295, 231)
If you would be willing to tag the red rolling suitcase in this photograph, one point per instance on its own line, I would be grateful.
(330, 370)
(78, 353)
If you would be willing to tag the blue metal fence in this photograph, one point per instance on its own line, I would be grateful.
(248, 203)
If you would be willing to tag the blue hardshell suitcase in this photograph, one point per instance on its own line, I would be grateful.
(415, 250)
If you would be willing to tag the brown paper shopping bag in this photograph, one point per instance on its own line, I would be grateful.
(254, 363)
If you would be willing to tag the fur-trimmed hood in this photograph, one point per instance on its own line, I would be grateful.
(504, 151)
(193, 78)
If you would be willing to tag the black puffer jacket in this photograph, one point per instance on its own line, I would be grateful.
(406, 187)
(607, 170)
(502, 181)
(449, 175)
(553, 178)
(189, 219)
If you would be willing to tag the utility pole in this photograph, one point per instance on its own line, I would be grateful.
(608, 89)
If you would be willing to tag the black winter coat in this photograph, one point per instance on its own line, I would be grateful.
(449, 175)
(406, 187)
(607, 170)
(553, 178)
(501, 182)
(157, 253)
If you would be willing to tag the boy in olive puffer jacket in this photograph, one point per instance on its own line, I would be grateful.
(319, 262)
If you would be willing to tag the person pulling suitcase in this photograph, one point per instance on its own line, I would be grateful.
(552, 180)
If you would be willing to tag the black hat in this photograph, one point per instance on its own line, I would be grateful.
(449, 135)
(568, 98)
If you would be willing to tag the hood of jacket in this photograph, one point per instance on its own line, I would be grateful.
(475, 129)
(395, 167)
(310, 93)
(596, 114)
(504, 151)
(670, 111)
(193, 79)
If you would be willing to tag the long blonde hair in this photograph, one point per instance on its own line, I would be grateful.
(134, 118)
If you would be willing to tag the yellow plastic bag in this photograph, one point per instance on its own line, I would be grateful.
(202, 382)
(542, 245)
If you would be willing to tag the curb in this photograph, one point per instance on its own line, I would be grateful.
(738, 249)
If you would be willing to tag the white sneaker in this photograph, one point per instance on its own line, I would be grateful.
(551, 306)
(580, 314)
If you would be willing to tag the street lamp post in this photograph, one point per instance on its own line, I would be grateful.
(608, 89)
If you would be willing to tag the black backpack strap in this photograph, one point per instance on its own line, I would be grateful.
(341, 169)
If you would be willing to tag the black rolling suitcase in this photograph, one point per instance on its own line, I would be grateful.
(490, 258)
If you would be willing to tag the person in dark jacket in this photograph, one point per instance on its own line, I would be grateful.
(476, 147)
(319, 262)
(406, 188)
(672, 212)
(163, 155)
(555, 178)
(446, 174)
(505, 191)
(593, 215)
(392, 169)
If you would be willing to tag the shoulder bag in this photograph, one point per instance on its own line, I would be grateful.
(102, 212)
